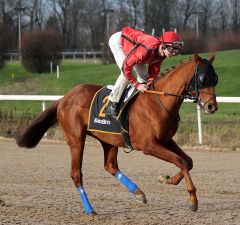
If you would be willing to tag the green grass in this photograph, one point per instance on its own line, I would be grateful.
(72, 73)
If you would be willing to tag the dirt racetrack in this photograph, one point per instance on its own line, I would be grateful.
(35, 188)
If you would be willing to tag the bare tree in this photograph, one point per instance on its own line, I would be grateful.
(2, 11)
(146, 12)
(223, 15)
(6, 11)
(76, 15)
(188, 8)
(235, 15)
(41, 14)
(135, 4)
(82, 24)
(34, 10)
(153, 15)
(97, 25)
(206, 9)
(158, 15)
(61, 10)
(122, 15)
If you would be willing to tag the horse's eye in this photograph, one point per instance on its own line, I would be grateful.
(203, 78)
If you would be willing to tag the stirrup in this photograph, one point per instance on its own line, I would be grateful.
(112, 109)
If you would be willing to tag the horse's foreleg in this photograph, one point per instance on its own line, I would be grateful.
(111, 165)
(166, 153)
(175, 180)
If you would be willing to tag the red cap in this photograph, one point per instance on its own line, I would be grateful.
(169, 37)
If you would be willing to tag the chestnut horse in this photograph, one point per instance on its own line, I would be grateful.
(156, 115)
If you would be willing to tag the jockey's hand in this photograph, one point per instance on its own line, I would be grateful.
(142, 87)
(150, 81)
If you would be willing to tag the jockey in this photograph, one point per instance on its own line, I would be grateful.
(132, 49)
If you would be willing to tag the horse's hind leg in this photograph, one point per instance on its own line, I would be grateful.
(75, 134)
(111, 165)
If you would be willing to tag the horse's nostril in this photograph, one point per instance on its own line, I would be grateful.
(210, 107)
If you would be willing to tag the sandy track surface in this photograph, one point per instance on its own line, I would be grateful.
(35, 188)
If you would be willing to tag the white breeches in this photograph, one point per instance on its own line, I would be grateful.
(115, 45)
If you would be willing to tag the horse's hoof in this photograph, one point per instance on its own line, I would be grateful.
(193, 206)
(92, 214)
(141, 198)
(163, 179)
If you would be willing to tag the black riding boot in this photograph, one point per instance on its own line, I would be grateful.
(112, 109)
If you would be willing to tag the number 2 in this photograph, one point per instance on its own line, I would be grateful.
(105, 101)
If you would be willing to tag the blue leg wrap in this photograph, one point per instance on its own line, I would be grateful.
(132, 187)
(86, 204)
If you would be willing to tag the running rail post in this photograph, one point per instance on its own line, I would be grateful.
(43, 109)
(43, 106)
(199, 124)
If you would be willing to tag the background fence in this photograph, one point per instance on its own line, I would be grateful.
(44, 98)
(68, 54)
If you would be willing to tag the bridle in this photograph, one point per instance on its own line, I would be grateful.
(202, 78)
(193, 90)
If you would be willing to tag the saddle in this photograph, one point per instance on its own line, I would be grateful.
(100, 122)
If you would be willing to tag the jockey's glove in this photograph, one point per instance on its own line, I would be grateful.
(142, 87)
(150, 81)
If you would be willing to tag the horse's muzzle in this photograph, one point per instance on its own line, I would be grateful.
(209, 108)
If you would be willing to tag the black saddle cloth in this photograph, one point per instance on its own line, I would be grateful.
(100, 122)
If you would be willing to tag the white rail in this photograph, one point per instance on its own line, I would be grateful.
(71, 54)
(45, 98)
(42, 98)
(30, 97)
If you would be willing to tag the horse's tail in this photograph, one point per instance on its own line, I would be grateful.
(33, 134)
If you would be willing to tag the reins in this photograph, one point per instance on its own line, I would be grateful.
(157, 93)
(185, 96)
(164, 93)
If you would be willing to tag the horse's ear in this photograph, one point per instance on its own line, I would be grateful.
(212, 57)
(197, 58)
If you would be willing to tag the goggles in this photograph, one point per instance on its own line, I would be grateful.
(174, 47)
(172, 50)
(175, 44)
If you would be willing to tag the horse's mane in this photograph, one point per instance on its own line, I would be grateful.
(174, 68)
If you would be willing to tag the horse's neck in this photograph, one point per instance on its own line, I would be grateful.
(175, 83)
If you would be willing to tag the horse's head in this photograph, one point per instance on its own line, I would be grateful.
(202, 85)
